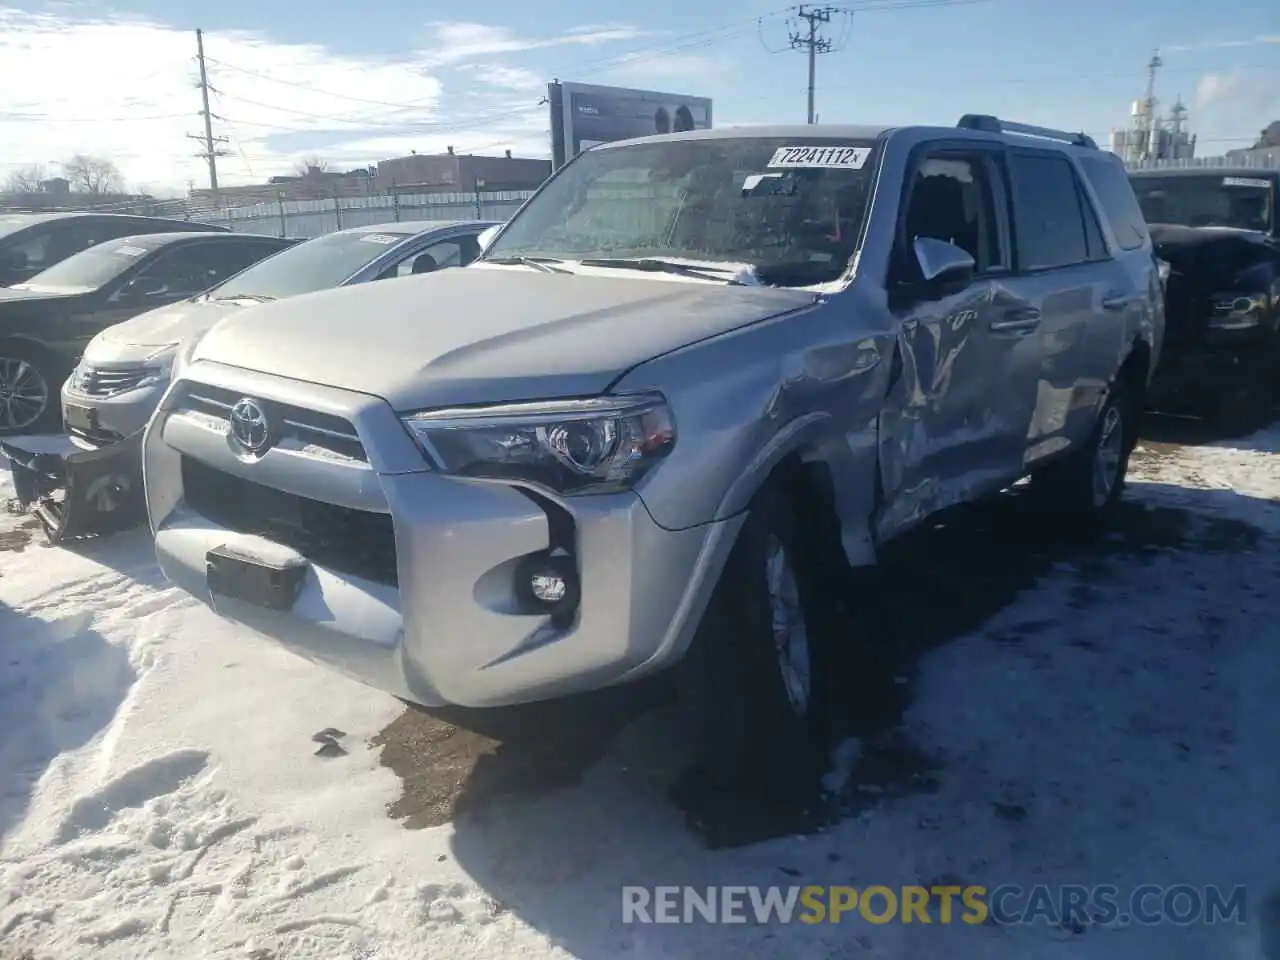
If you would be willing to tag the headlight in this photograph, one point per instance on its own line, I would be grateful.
(181, 356)
(597, 445)
(1237, 311)
(159, 366)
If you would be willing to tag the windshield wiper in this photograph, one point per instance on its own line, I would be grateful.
(255, 297)
(538, 263)
(655, 265)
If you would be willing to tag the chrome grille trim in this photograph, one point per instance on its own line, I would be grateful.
(107, 382)
(325, 431)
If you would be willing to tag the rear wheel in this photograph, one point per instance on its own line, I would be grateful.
(28, 396)
(756, 677)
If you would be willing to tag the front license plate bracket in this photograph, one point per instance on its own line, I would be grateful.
(236, 575)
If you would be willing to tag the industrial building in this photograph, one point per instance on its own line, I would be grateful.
(1151, 137)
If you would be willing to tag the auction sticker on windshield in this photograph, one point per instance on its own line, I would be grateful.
(128, 251)
(1245, 182)
(382, 238)
(847, 158)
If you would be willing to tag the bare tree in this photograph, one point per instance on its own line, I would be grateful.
(90, 174)
(310, 166)
(25, 179)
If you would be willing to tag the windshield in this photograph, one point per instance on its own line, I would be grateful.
(89, 269)
(1204, 201)
(315, 264)
(791, 208)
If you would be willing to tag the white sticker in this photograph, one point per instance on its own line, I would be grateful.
(847, 158)
(382, 238)
(129, 251)
(1245, 182)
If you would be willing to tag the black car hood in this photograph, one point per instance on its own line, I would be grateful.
(1210, 255)
(1177, 236)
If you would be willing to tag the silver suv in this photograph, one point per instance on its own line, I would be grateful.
(694, 379)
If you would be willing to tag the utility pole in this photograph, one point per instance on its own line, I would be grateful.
(211, 151)
(811, 42)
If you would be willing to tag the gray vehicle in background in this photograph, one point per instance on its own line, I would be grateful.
(694, 380)
(124, 370)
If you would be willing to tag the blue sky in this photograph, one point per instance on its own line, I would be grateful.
(348, 82)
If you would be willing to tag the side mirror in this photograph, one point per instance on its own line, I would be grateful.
(943, 264)
(145, 286)
(487, 235)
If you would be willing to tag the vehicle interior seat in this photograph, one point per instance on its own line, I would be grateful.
(425, 263)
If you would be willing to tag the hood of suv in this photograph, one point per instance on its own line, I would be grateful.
(484, 334)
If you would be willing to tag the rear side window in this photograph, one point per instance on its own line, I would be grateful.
(1119, 205)
(1048, 216)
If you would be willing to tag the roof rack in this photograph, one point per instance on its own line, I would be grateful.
(981, 121)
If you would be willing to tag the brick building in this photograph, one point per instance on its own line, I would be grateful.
(460, 172)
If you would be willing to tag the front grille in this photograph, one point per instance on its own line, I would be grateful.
(96, 382)
(322, 432)
(357, 542)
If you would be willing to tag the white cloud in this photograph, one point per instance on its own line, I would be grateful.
(461, 42)
(276, 102)
(1265, 39)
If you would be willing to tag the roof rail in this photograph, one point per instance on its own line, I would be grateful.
(981, 121)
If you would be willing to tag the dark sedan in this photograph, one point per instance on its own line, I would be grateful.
(32, 242)
(46, 322)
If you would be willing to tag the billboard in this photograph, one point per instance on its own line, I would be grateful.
(583, 115)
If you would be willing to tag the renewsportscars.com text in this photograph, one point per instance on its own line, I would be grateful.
(1064, 905)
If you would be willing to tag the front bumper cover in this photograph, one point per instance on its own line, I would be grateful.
(76, 490)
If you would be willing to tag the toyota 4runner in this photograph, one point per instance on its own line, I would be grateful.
(695, 378)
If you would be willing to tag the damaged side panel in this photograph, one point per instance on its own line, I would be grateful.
(809, 384)
(953, 425)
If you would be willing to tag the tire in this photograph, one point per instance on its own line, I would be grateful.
(761, 731)
(27, 375)
(1086, 486)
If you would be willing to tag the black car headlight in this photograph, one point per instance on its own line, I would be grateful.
(1237, 311)
(594, 445)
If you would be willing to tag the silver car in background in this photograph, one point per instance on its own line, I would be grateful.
(90, 482)
(124, 369)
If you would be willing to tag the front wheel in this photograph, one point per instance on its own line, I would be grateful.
(1087, 484)
(755, 679)
(28, 397)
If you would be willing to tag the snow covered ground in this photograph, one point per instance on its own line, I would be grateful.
(1117, 722)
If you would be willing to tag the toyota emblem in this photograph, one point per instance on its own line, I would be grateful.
(249, 426)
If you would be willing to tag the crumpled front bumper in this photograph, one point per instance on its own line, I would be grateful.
(74, 489)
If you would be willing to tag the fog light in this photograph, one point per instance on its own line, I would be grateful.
(550, 581)
(548, 587)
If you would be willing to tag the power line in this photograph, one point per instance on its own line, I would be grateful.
(211, 151)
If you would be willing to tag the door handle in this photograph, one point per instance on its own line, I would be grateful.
(1116, 301)
(1016, 320)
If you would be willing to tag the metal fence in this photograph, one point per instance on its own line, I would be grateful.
(1258, 160)
(310, 218)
